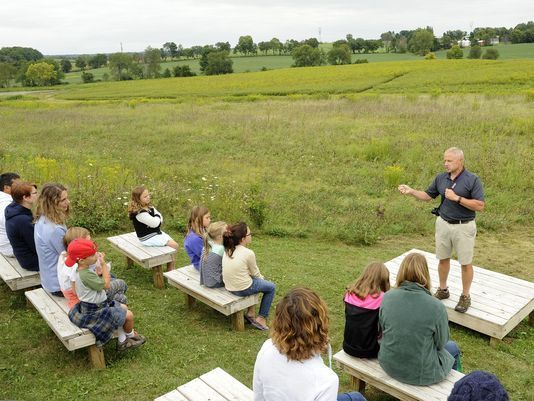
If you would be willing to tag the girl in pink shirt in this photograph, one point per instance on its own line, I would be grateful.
(362, 304)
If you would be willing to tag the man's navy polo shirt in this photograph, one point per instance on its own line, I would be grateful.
(467, 185)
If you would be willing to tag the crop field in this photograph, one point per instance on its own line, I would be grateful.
(311, 158)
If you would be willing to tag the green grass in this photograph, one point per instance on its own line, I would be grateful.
(184, 344)
(311, 158)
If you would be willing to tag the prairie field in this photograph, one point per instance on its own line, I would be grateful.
(311, 158)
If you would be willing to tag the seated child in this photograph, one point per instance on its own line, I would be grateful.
(147, 221)
(199, 220)
(362, 304)
(67, 275)
(94, 311)
(478, 386)
(211, 261)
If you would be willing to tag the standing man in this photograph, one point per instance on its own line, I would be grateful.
(462, 195)
(6, 180)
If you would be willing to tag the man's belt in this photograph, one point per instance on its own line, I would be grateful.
(458, 221)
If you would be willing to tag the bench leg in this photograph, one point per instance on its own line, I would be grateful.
(357, 384)
(96, 356)
(129, 262)
(190, 301)
(495, 341)
(531, 319)
(157, 273)
(238, 320)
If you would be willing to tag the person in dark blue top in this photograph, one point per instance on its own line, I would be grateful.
(462, 195)
(19, 224)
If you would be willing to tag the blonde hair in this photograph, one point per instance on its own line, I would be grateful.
(135, 204)
(212, 232)
(196, 218)
(48, 204)
(300, 326)
(415, 269)
(459, 153)
(73, 233)
(373, 281)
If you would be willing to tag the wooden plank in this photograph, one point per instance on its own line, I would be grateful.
(197, 390)
(6, 270)
(226, 385)
(174, 395)
(369, 370)
(499, 302)
(145, 256)
(55, 317)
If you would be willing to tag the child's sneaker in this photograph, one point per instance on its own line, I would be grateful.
(463, 304)
(442, 294)
(139, 337)
(129, 343)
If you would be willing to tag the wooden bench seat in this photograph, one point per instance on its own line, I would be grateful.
(15, 276)
(54, 311)
(498, 302)
(149, 257)
(187, 280)
(368, 371)
(216, 385)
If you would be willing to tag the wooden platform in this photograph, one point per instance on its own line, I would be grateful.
(216, 385)
(187, 280)
(54, 311)
(149, 257)
(368, 371)
(15, 276)
(498, 302)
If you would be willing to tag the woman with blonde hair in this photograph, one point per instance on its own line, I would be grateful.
(212, 254)
(415, 347)
(289, 366)
(199, 220)
(50, 227)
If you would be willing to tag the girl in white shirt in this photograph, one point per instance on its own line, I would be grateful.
(289, 366)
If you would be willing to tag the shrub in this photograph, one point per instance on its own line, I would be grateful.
(491, 54)
(183, 71)
(430, 56)
(307, 56)
(166, 73)
(393, 176)
(455, 53)
(87, 77)
(475, 52)
(360, 61)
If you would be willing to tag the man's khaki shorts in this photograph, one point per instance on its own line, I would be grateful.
(457, 237)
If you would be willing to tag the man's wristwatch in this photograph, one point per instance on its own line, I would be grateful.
(459, 199)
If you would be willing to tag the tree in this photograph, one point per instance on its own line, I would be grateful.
(475, 52)
(17, 55)
(197, 51)
(81, 62)
(491, 54)
(8, 72)
(40, 73)
(264, 47)
(290, 45)
(307, 56)
(455, 52)
(183, 71)
(188, 53)
(312, 42)
(451, 38)
(352, 43)
(120, 65)
(387, 39)
(421, 41)
(98, 60)
(170, 49)
(218, 63)
(371, 45)
(359, 44)
(203, 62)
(276, 45)
(245, 45)
(152, 59)
(166, 73)
(339, 55)
(223, 46)
(66, 65)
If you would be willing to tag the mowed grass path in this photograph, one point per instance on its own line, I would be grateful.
(184, 344)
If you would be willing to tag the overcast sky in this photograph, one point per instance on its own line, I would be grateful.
(77, 27)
